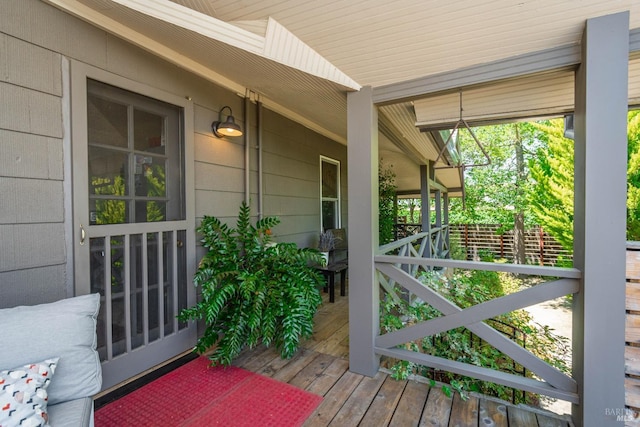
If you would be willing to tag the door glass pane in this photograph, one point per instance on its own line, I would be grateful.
(153, 262)
(108, 172)
(150, 211)
(134, 153)
(182, 283)
(150, 176)
(167, 283)
(96, 263)
(148, 132)
(329, 180)
(136, 291)
(107, 122)
(108, 211)
(118, 315)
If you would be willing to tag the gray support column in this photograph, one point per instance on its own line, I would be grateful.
(364, 305)
(395, 216)
(599, 220)
(425, 196)
(438, 204)
(447, 240)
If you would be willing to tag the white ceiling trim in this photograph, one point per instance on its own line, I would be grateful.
(278, 44)
(530, 63)
(197, 22)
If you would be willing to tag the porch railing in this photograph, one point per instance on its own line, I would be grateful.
(398, 265)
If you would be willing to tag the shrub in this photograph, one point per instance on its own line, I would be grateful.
(465, 289)
(253, 291)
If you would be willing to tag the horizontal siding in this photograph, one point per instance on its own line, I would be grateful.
(30, 156)
(24, 64)
(30, 111)
(39, 282)
(31, 246)
(34, 39)
(31, 201)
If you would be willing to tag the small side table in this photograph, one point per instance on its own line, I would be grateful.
(329, 273)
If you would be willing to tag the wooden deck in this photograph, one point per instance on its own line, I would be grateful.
(321, 367)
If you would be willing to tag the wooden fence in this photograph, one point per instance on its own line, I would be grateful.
(540, 247)
(632, 330)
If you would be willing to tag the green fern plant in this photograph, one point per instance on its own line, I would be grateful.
(253, 291)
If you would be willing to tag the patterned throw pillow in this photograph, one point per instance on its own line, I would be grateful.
(23, 394)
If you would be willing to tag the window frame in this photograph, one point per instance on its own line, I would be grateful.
(337, 199)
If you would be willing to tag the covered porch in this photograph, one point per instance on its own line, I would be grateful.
(370, 76)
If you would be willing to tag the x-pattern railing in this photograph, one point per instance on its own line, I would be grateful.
(402, 270)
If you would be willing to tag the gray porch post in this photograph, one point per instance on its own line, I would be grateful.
(425, 209)
(599, 220)
(362, 151)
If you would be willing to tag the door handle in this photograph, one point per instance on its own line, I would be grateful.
(83, 235)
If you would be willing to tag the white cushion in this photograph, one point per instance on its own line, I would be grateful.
(65, 329)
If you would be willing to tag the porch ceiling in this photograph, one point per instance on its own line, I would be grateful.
(348, 43)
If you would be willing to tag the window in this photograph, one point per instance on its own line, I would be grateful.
(135, 162)
(329, 193)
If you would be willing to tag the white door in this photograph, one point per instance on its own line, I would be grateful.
(134, 239)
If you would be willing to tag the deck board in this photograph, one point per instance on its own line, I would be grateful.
(493, 413)
(334, 399)
(384, 404)
(521, 418)
(437, 409)
(357, 404)
(411, 404)
(464, 412)
(350, 399)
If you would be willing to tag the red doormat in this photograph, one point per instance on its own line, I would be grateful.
(196, 394)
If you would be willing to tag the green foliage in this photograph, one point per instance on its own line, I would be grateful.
(387, 191)
(551, 196)
(466, 289)
(253, 291)
(633, 176)
(493, 193)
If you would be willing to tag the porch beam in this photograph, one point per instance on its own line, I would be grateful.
(566, 56)
(364, 303)
(600, 124)
(544, 60)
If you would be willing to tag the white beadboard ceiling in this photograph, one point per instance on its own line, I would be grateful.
(303, 56)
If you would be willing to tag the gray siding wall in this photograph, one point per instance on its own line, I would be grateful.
(35, 39)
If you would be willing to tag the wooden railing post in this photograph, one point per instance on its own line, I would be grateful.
(364, 303)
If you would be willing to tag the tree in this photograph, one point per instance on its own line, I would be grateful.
(386, 209)
(551, 196)
(552, 171)
(496, 193)
(633, 176)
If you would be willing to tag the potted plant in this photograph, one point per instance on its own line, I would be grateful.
(326, 244)
(253, 291)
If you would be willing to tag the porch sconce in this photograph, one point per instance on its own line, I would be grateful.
(226, 128)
